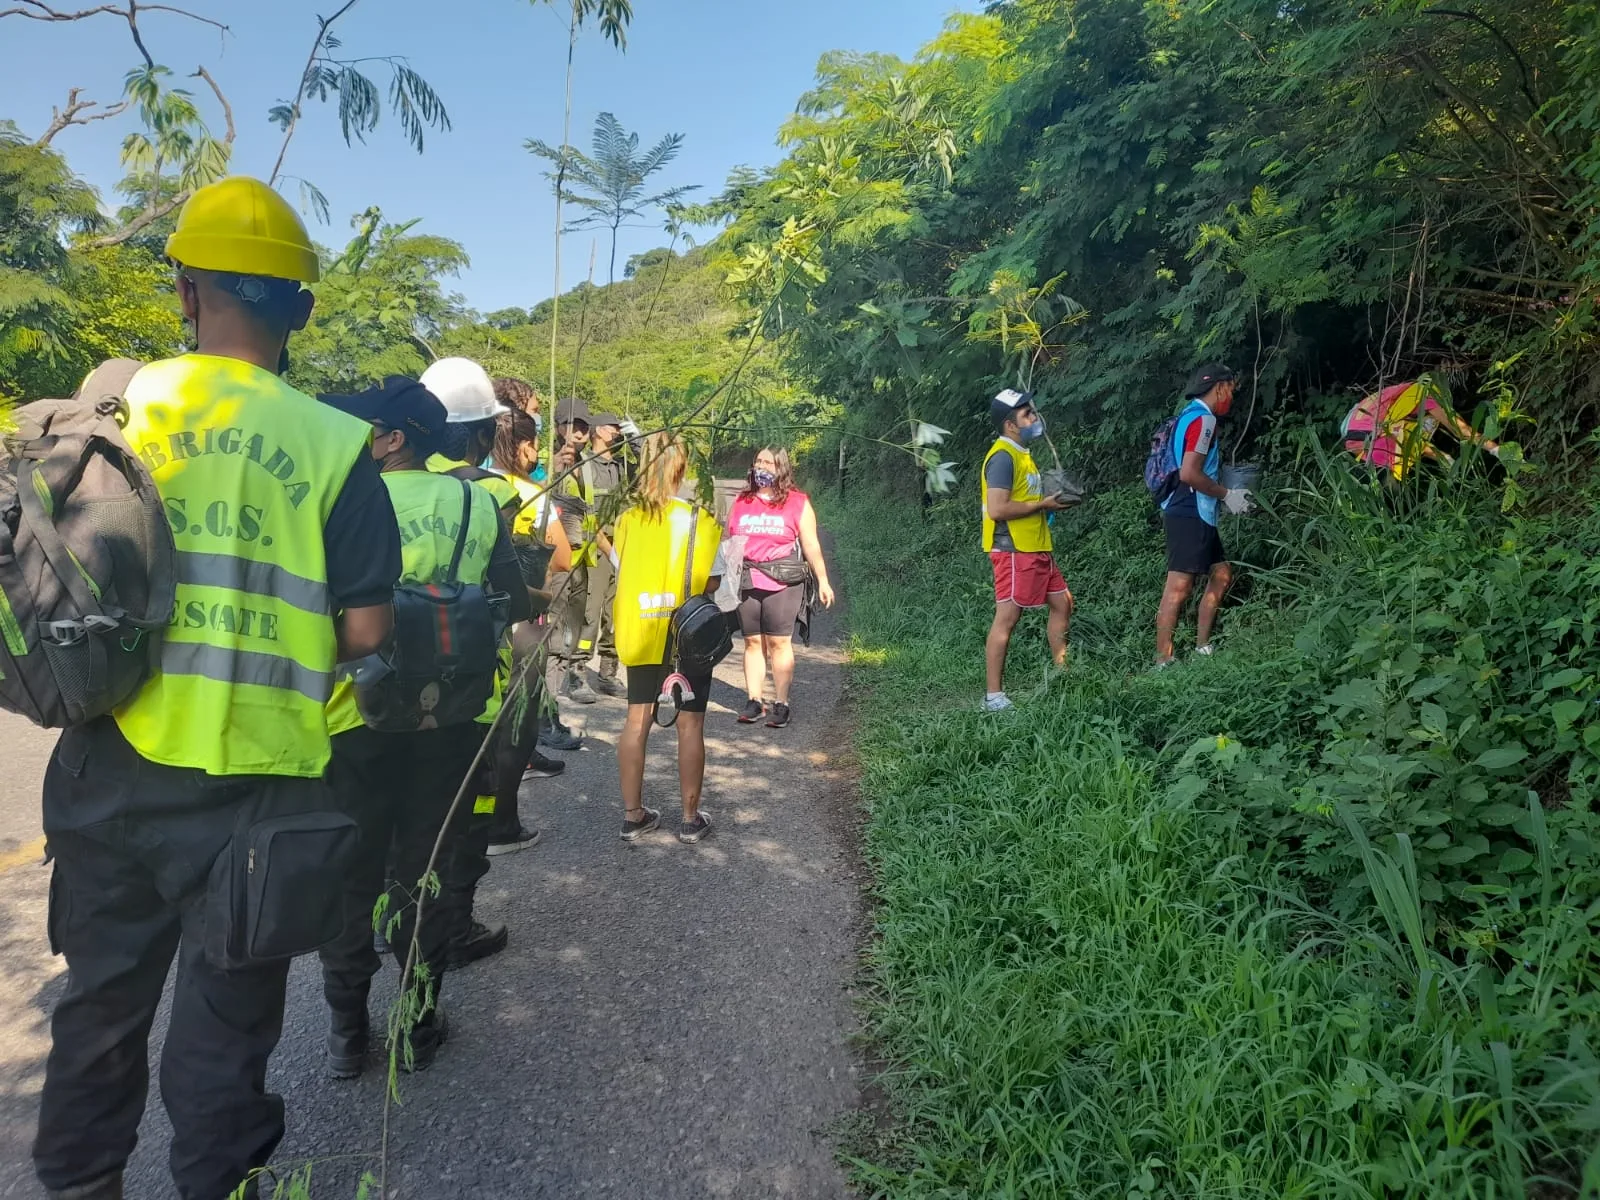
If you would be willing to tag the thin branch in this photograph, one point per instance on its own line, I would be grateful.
(37, 10)
(73, 114)
(227, 109)
(323, 25)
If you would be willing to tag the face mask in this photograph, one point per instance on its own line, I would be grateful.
(1033, 432)
(763, 479)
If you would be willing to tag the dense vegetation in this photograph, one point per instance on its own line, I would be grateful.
(1314, 917)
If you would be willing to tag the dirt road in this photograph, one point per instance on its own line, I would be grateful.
(669, 1021)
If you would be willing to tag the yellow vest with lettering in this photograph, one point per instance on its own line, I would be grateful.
(1028, 534)
(248, 469)
(652, 550)
(427, 507)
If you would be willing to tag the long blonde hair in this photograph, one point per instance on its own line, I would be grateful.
(663, 462)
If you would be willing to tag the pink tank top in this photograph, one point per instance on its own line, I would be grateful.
(770, 532)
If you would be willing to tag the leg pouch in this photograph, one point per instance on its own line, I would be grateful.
(277, 889)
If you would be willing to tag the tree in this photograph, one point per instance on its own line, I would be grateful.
(41, 203)
(381, 308)
(609, 183)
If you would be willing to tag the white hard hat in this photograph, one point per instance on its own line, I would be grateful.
(465, 390)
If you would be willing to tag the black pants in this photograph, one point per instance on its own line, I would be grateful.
(399, 788)
(598, 626)
(517, 738)
(133, 843)
(570, 645)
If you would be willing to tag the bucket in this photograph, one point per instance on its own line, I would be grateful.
(1057, 482)
(1243, 476)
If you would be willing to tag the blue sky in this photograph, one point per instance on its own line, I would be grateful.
(725, 73)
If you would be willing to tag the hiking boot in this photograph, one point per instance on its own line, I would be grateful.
(105, 1187)
(509, 843)
(427, 1035)
(579, 691)
(349, 1034)
(632, 831)
(540, 767)
(751, 712)
(479, 942)
(691, 832)
(553, 735)
(610, 685)
(779, 716)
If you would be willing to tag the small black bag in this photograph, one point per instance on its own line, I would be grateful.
(439, 670)
(697, 632)
(790, 569)
(277, 889)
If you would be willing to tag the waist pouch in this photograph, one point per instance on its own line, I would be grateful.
(277, 889)
(790, 569)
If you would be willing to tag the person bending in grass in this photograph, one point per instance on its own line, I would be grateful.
(1189, 513)
(1016, 534)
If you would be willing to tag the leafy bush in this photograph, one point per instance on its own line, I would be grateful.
(1313, 917)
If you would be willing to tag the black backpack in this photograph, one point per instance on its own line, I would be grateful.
(440, 664)
(698, 637)
(87, 560)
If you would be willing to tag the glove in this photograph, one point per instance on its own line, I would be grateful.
(1237, 501)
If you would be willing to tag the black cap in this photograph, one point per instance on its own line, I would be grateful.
(600, 419)
(401, 404)
(571, 409)
(1007, 402)
(1207, 377)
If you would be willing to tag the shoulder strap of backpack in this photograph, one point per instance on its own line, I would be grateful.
(110, 380)
(461, 534)
(688, 562)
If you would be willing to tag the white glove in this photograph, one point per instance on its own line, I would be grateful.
(1237, 501)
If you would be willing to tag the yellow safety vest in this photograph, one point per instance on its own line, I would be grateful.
(1028, 534)
(427, 507)
(652, 550)
(248, 469)
(497, 486)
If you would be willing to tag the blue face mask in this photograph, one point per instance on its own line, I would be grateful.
(1033, 432)
(763, 479)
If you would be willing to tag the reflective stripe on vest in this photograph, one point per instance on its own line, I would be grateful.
(1028, 534)
(248, 470)
(427, 508)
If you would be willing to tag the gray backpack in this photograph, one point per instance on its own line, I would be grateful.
(86, 557)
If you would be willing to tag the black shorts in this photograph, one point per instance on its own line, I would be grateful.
(644, 687)
(1193, 547)
(770, 613)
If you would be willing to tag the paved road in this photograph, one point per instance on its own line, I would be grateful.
(669, 1021)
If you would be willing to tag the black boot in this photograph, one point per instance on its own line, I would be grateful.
(107, 1187)
(349, 1032)
(427, 1035)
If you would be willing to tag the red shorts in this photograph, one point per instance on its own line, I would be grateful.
(1027, 580)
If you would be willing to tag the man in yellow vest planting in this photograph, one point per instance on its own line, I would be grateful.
(1016, 535)
(400, 786)
(280, 522)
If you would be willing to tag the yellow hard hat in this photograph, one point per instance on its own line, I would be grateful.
(241, 225)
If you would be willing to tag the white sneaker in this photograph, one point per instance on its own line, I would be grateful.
(997, 703)
(1208, 649)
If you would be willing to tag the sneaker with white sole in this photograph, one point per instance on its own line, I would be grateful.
(997, 703)
(521, 840)
(632, 831)
(691, 832)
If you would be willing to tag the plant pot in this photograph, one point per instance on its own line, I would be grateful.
(533, 559)
(1057, 482)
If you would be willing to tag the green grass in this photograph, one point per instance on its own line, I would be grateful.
(1091, 979)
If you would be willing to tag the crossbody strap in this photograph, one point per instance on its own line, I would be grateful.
(461, 534)
(688, 562)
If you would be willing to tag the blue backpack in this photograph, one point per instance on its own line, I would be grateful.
(1160, 475)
